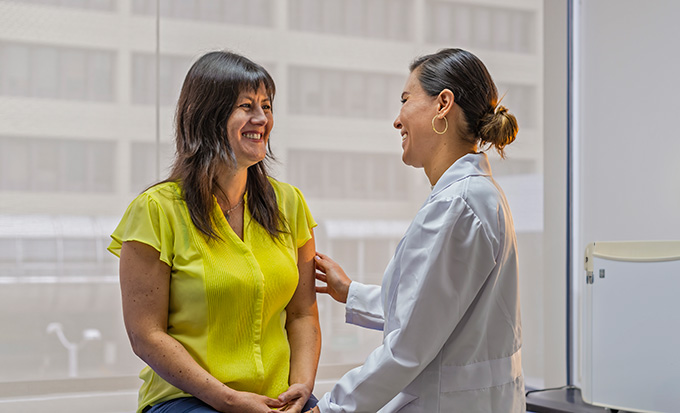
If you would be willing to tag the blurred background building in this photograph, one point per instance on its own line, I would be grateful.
(87, 95)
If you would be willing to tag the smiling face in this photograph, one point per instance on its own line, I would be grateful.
(249, 125)
(414, 122)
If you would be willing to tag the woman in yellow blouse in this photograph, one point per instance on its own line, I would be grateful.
(216, 262)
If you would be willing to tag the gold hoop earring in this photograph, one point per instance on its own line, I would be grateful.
(445, 127)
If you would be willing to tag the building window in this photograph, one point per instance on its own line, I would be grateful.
(56, 165)
(379, 19)
(173, 69)
(340, 93)
(243, 12)
(521, 101)
(40, 71)
(143, 159)
(98, 5)
(481, 27)
(349, 175)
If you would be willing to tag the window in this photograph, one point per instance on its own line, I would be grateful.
(56, 165)
(240, 12)
(95, 5)
(342, 93)
(143, 156)
(41, 71)
(173, 69)
(378, 19)
(87, 132)
(469, 25)
(351, 175)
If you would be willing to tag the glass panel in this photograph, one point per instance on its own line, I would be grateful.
(39, 250)
(80, 250)
(143, 79)
(340, 69)
(209, 10)
(45, 165)
(259, 12)
(101, 166)
(333, 16)
(15, 70)
(375, 18)
(106, 5)
(235, 11)
(8, 250)
(147, 7)
(74, 172)
(72, 68)
(14, 165)
(355, 17)
(44, 72)
(100, 76)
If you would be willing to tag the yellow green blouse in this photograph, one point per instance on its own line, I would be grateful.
(227, 298)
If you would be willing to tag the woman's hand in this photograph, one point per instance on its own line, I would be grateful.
(295, 397)
(329, 272)
(244, 402)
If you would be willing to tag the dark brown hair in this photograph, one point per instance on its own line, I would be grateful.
(486, 121)
(206, 101)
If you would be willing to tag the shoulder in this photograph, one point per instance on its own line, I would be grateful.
(479, 192)
(475, 198)
(163, 193)
(483, 201)
(286, 193)
(163, 199)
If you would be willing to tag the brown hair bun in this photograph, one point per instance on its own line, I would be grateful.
(498, 128)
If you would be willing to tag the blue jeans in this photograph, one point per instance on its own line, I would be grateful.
(193, 405)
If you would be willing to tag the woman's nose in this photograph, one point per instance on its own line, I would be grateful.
(397, 123)
(259, 117)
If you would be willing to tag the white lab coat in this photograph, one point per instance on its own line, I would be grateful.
(448, 306)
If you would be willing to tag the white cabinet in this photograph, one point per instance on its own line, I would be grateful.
(630, 330)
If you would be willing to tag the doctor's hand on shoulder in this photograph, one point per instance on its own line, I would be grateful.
(330, 272)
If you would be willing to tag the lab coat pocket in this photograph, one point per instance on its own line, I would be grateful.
(396, 404)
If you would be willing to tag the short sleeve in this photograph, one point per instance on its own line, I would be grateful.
(144, 221)
(304, 222)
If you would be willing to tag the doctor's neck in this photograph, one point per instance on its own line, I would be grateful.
(442, 159)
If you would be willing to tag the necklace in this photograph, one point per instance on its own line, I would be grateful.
(234, 207)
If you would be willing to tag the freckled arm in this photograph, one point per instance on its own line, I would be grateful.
(145, 289)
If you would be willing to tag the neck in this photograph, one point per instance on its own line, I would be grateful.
(446, 156)
(232, 184)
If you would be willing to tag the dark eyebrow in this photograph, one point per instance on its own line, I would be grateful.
(251, 96)
(403, 94)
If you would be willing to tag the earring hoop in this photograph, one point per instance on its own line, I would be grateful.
(445, 127)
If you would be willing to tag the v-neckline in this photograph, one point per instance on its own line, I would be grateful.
(225, 223)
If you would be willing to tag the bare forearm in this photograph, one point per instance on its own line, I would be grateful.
(170, 360)
(304, 336)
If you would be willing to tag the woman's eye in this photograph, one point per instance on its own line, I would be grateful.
(402, 101)
(266, 107)
(244, 105)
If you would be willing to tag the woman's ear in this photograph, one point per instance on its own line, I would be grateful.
(444, 102)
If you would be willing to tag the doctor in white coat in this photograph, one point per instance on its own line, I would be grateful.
(449, 301)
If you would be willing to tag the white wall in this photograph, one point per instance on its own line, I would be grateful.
(628, 176)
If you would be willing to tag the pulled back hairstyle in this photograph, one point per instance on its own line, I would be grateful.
(486, 121)
(206, 101)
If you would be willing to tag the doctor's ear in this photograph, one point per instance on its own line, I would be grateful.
(445, 101)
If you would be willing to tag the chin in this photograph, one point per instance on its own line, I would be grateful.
(410, 162)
